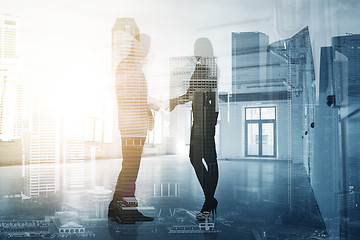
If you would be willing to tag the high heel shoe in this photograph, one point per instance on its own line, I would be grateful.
(212, 206)
(209, 208)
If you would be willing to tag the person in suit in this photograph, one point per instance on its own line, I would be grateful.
(202, 92)
(135, 119)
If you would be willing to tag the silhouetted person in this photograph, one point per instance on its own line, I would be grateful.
(133, 115)
(202, 92)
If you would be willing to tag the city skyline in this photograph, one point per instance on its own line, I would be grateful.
(69, 26)
(282, 78)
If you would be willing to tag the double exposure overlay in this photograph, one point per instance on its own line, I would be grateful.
(180, 119)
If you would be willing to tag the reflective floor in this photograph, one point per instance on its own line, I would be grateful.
(257, 200)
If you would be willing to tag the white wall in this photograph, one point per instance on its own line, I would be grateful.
(230, 134)
(231, 139)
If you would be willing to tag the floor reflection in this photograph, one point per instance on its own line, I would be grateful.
(257, 200)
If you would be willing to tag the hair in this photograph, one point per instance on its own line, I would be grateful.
(203, 48)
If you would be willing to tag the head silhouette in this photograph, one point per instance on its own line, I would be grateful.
(203, 48)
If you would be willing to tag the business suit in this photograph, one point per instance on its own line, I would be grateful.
(202, 92)
(133, 116)
(131, 93)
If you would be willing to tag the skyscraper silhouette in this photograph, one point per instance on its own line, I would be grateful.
(122, 34)
(42, 146)
(11, 90)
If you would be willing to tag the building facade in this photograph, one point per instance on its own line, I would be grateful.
(11, 90)
(336, 172)
(123, 33)
(204, 79)
(270, 111)
(42, 149)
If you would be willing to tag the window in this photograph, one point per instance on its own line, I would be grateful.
(260, 132)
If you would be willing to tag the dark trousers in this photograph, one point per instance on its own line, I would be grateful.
(132, 148)
(202, 146)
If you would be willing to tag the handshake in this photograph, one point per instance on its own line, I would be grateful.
(157, 104)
